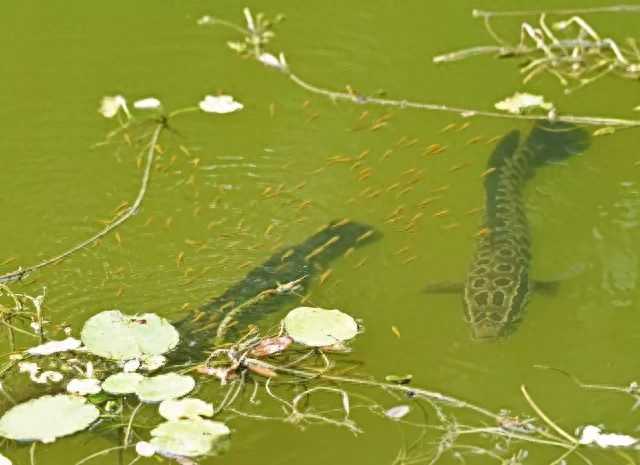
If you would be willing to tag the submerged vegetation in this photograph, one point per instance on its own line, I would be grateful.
(126, 376)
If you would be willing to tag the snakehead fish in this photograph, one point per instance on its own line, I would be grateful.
(307, 258)
(499, 284)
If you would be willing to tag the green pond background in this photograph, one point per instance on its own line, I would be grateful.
(60, 58)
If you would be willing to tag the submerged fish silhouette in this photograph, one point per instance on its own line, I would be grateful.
(499, 284)
(307, 258)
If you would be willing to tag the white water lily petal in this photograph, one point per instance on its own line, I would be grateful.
(145, 449)
(84, 386)
(52, 347)
(269, 60)
(519, 102)
(112, 104)
(219, 104)
(150, 103)
(591, 434)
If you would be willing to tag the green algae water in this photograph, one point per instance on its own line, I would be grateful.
(208, 217)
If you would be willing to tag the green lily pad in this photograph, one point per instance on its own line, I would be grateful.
(114, 335)
(317, 327)
(163, 387)
(122, 383)
(188, 438)
(185, 408)
(47, 418)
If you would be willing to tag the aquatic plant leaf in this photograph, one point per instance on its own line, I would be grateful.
(317, 327)
(47, 418)
(162, 387)
(122, 383)
(405, 379)
(188, 438)
(185, 408)
(114, 335)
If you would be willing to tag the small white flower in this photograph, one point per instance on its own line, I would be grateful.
(84, 386)
(131, 365)
(47, 376)
(37, 327)
(145, 449)
(111, 105)
(206, 19)
(52, 347)
(269, 60)
(591, 434)
(28, 367)
(220, 104)
(519, 102)
(150, 103)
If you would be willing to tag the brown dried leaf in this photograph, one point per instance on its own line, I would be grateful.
(270, 346)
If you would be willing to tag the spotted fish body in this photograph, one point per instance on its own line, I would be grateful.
(499, 283)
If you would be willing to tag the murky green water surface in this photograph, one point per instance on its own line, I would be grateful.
(60, 58)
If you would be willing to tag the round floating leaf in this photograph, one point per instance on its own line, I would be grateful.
(317, 327)
(47, 418)
(162, 387)
(122, 383)
(185, 408)
(189, 438)
(111, 334)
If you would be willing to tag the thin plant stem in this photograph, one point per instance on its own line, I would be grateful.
(465, 112)
(21, 272)
(32, 453)
(546, 419)
(98, 454)
(564, 11)
(127, 432)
